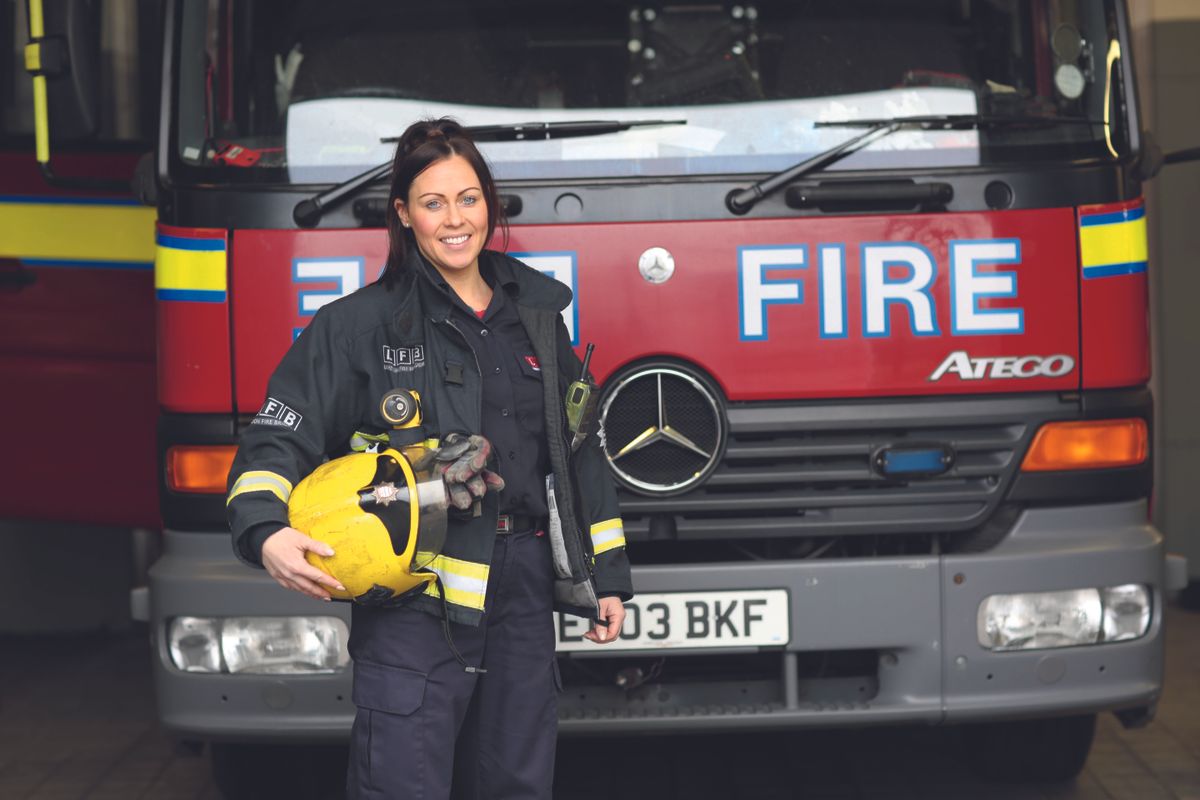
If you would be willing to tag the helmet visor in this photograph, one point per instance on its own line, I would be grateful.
(431, 518)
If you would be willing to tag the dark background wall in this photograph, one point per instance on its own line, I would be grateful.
(1167, 49)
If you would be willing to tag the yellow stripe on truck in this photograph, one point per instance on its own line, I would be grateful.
(69, 232)
(1113, 243)
(190, 268)
(1119, 243)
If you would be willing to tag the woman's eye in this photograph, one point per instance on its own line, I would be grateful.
(470, 200)
(433, 205)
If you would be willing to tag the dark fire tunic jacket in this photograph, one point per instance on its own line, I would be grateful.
(323, 401)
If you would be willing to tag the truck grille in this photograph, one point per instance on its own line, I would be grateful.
(664, 430)
(805, 470)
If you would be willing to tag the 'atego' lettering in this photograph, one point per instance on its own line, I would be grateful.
(973, 369)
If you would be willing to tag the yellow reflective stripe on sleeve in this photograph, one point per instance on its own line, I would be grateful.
(261, 481)
(465, 582)
(607, 535)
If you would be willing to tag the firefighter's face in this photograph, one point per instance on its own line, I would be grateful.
(448, 214)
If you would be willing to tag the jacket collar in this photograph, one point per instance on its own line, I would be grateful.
(523, 284)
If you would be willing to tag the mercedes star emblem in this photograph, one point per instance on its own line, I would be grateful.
(661, 432)
(656, 265)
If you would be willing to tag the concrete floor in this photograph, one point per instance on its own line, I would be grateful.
(77, 721)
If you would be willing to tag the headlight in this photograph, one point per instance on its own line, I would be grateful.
(194, 644)
(292, 645)
(1064, 619)
(284, 644)
(1126, 612)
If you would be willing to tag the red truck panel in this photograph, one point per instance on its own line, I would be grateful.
(76, 347)
(194, 369)
(774, 309)
(1114, 295)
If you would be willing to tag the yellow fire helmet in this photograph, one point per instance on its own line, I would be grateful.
(384, 520)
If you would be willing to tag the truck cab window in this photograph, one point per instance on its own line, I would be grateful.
(282, 92)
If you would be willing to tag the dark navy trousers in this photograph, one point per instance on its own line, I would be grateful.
(425, 728)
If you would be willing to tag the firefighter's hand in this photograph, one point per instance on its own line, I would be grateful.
(612, 611)
(460, 461)
(283, 556)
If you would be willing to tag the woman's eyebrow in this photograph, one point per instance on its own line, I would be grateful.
(461, 192)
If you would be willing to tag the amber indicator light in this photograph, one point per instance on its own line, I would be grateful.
(199, 468)
(1091, 444)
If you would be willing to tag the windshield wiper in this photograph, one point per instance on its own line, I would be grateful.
(538, 131)
(307, 213)
(740, 201)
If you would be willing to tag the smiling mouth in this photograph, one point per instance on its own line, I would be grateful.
(452, 240)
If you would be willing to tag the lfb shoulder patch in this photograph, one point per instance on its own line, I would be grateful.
(278, 415)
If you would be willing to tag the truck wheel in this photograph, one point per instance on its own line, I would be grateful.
(266, 771)
(1030, 750)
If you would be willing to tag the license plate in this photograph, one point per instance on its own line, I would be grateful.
(679, 620)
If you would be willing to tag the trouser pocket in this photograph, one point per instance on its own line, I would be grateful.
(387, 757)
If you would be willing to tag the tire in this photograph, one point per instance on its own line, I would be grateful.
(269, 771)
(1030, 750)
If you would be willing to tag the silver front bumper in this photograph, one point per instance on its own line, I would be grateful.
(918, 613)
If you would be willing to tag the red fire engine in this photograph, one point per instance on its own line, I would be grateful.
(868, 286)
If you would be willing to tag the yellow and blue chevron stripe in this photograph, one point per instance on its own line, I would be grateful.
(1113, 243)
(190, 269)
(78, 232)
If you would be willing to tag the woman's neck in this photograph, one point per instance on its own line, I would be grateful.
(469, 285)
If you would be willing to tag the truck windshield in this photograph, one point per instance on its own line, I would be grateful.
(304, 92)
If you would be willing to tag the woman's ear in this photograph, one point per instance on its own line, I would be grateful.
(402, 212)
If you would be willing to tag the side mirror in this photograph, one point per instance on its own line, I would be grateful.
(1182, 156)
(1153, 159)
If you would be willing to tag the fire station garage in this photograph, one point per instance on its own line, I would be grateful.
(884, 316)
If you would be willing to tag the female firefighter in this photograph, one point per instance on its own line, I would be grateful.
(454, 681)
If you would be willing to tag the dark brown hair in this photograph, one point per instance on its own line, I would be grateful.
(421, 145)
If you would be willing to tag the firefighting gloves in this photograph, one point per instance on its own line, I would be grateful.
(461, 460)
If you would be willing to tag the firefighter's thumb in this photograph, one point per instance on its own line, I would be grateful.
(305, 543)
(318, 547)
